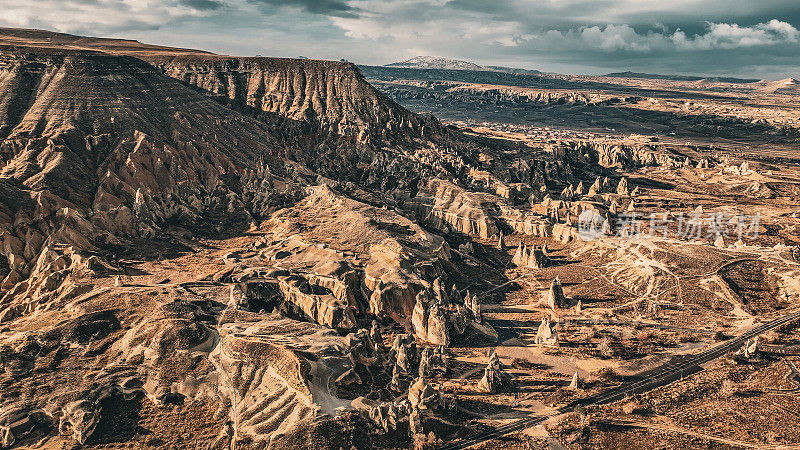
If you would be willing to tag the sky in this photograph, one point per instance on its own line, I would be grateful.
(746, 38)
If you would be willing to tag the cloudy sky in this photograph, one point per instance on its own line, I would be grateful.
(751, 38)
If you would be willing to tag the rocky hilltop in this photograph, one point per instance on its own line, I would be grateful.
(106, 137)
(297, 95)
(324, 113)
(97, 147)
(328, 96)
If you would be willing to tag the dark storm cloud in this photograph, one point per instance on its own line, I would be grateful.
(534, 15)
(767, 49)
(683, 36)
(743, 13)
(479, 6)
(203, 5)
(337, 8)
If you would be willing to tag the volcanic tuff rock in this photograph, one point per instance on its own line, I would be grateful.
(323, 114)
(280, 385)
(99, 148)
(182, 228)
(443, 205)
(530, 257)
(555, 295)
(491, 94)
(494, 377)
(308, 95)
(395, 257)
(546, 334)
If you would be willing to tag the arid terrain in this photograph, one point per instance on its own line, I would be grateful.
(752, 116)
(208, 251)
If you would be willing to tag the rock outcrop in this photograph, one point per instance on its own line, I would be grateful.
(532, 257)
(622, 187)
(317, 303)
(445, 206)
(494, 377)
(749, 351)
(438, 324)
(555, 295)
(546, 334)
(473, 305)
(430, 321)
(294, 95)
(575, 383)
(394, 254)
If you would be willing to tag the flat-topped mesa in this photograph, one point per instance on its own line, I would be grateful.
(330, 94)
(295, 94)
(323, 114)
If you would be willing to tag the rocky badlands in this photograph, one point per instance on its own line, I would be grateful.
(204, 251)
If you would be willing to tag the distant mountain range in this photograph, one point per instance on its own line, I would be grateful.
(435, 62)
(440, 63)
(652, 76)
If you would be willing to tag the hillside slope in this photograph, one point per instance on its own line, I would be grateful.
(96, 146)
(323, 114)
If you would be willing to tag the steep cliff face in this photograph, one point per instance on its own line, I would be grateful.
(301, 96)
(308, 101)
(82, 108)
(322, 114)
